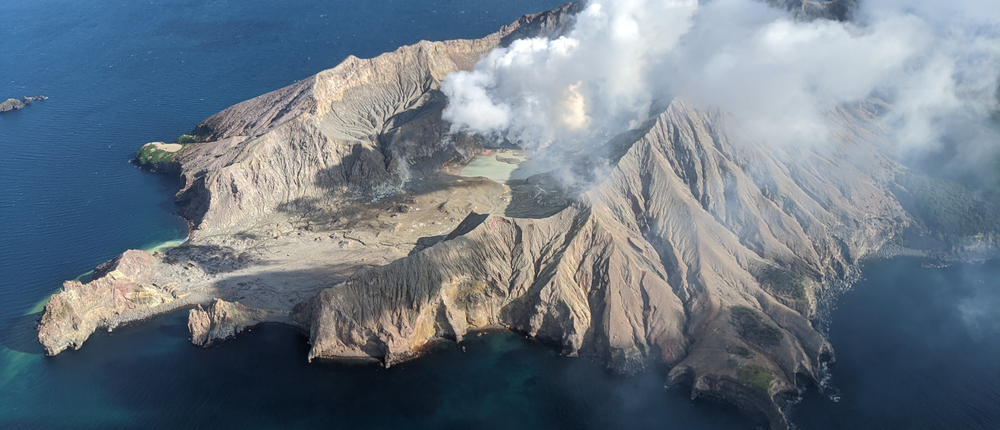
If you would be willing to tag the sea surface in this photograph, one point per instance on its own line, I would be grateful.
(917, 348)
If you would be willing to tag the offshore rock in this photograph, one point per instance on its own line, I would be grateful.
(221, 320)
(15, 104)
(10, 105)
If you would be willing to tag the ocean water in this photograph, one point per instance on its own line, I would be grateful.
(917, 348)
(120, 74)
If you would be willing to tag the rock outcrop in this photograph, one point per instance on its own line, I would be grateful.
(10, 105)
(15, 104)
(221, 320)
(121, 291)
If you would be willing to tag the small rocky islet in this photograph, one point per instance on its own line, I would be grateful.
(13, 104)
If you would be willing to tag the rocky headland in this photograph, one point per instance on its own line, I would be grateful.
(333, 205)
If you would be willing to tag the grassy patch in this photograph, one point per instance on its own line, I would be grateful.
(186, 139)
(784, 282)
(150, 154)
(752, 327)
(756, 376)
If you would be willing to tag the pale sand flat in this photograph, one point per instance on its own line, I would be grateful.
(168, 147)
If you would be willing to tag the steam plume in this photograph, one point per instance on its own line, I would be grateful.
(935, 63)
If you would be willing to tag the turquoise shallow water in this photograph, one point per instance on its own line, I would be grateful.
(120, 74)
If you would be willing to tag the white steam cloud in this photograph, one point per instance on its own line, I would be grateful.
(935, 63)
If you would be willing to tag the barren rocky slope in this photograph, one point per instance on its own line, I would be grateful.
(363, 127)
(671, 259)
(332, 204)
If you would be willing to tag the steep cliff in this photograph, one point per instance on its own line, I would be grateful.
(220, 321)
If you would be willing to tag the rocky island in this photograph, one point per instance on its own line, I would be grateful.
(15, 104)
(332, 205)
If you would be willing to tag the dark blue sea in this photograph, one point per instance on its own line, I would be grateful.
(917, 348)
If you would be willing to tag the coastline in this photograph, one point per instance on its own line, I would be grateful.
(160, 246)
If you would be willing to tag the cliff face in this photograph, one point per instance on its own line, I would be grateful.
(220, 321)
(701, 249)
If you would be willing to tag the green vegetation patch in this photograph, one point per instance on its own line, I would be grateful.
(752, 327)
(948, 208)
(784, 282)
(186, 139)
(756, 376)
(152, 153)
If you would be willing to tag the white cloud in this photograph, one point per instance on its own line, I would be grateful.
(936, 64)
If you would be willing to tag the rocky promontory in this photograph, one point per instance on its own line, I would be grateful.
(122, 290)
(159, 157)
